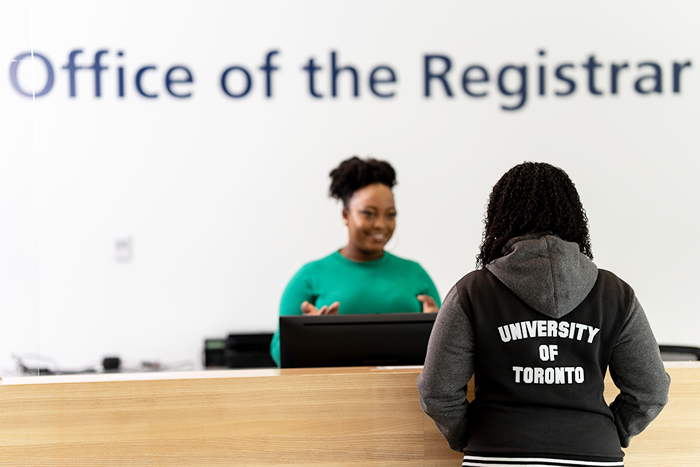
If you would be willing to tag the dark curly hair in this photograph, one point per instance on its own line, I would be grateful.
(533, 197)
(355, 173)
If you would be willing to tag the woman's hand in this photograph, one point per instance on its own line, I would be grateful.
(309, 309)
(429, 303)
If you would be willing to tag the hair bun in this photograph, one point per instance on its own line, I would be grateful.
(355, 173)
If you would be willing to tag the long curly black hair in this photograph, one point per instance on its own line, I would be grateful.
(355, 173)
(533, 197)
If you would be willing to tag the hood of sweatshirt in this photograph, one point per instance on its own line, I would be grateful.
(546, 272)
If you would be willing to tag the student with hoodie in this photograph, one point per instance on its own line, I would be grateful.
(538, 325)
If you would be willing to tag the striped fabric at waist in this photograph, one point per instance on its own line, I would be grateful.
(481, 461)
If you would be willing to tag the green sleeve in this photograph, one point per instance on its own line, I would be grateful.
(432, 290)
(297, 291)
(427, 284)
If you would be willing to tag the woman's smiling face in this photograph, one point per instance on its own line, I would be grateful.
(371, 219)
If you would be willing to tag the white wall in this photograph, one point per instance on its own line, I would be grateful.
(225, 198)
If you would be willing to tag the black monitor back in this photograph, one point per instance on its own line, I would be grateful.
(239, 351)
(355, 340)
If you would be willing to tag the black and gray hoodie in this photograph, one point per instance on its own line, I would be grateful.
(539, 328)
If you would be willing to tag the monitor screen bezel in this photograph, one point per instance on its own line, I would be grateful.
(400, 339)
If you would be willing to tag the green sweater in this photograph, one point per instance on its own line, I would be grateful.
(387, 285)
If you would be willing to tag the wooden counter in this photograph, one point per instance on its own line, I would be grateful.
(322, 417)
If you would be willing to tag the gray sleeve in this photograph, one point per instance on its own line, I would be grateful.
(637, 370)
(448, 367)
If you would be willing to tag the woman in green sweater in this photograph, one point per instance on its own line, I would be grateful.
(360, 277)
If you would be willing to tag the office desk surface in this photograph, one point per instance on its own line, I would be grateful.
(313, 417)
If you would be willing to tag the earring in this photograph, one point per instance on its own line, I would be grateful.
(346, 221)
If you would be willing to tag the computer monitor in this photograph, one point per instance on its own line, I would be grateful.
(355, 340)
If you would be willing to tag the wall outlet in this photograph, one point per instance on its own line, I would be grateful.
(124, 248)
